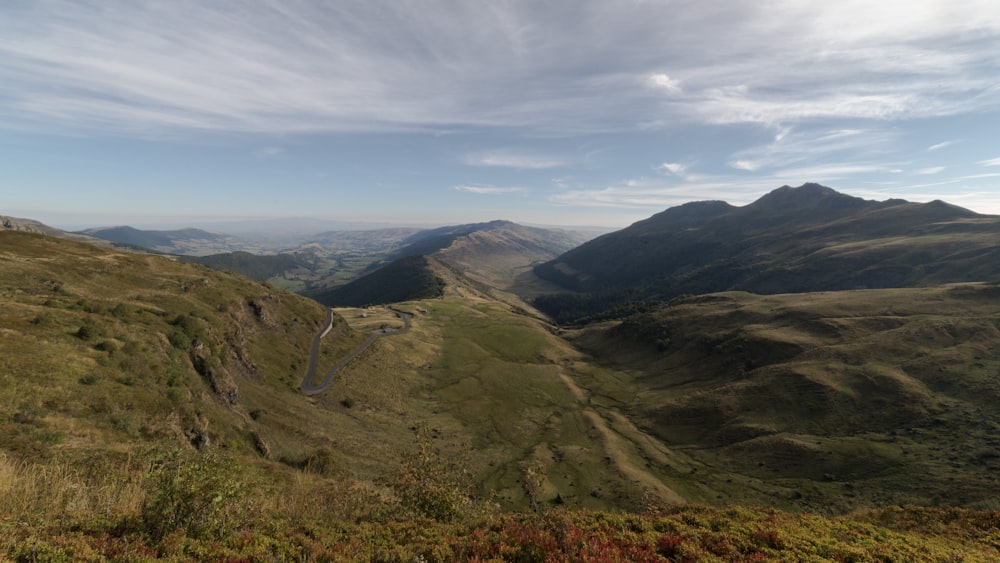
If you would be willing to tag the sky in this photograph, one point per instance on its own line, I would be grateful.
(432, 112)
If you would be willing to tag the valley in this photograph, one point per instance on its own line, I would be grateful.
(434, 387)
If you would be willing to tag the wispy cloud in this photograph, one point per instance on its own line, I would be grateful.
(939, 146)
(657, 193)
(930, 170)
(489, 190)
(990, 162)
(675, 168)
(269, 152)
(664, 83)
(569, 65)
(793, 147)
(508, 158)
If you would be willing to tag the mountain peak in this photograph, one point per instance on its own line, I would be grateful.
(809, 201)
(806, 192)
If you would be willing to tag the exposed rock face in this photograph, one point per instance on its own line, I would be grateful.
(217, 376)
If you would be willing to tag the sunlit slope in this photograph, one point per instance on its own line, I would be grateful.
(105, 351)
(824, 401)
(495, 389)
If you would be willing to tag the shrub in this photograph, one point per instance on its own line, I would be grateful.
(428, 486)
(202, 494)
(90, 379)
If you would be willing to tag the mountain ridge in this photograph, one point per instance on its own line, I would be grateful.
(491, 253)
(810, 238)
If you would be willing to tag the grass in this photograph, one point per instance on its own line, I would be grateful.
(477, 408)
(827, 401)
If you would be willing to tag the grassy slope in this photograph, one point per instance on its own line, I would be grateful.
(824, 401)
(486, 381)
(100, 349)
(502, 403)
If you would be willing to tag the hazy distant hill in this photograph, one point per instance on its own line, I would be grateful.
(194, 242)
(260, 267)
(809, 238)
(492, 254)
(31, 226)
(371, 240)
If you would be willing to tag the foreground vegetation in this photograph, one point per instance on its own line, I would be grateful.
(205, 507)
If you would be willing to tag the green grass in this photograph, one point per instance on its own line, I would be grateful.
(115, 366)
(826, 401)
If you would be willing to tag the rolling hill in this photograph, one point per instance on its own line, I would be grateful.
(260, 267)
(111, 358)
(494, 256)
(151, 408)
(195, 242)
(31, 226)
(818, 400)
(810, 238)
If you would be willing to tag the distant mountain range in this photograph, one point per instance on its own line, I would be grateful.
(809, 238)
(195, 242)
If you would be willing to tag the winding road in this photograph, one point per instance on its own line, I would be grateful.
(307, 382)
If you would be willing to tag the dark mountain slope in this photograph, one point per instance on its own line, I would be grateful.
(260, 267)
(403, 280)
(809, 238)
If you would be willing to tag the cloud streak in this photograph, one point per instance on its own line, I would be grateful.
(565, 66)
(489, 190)
(507, 158)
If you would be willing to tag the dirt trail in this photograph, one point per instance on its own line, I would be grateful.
(617, 447)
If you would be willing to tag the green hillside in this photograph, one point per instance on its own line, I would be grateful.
(822, 401)
(151, 409)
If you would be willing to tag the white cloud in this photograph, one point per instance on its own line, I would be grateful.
(741, 164)
(930, 170)
(674, 168)
(489, 190)
(663, 82)
(940, 146)
(507, 158)
(990, 162)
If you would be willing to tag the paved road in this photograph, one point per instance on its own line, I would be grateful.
(307, 382)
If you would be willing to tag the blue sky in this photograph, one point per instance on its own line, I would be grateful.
(561, 112)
